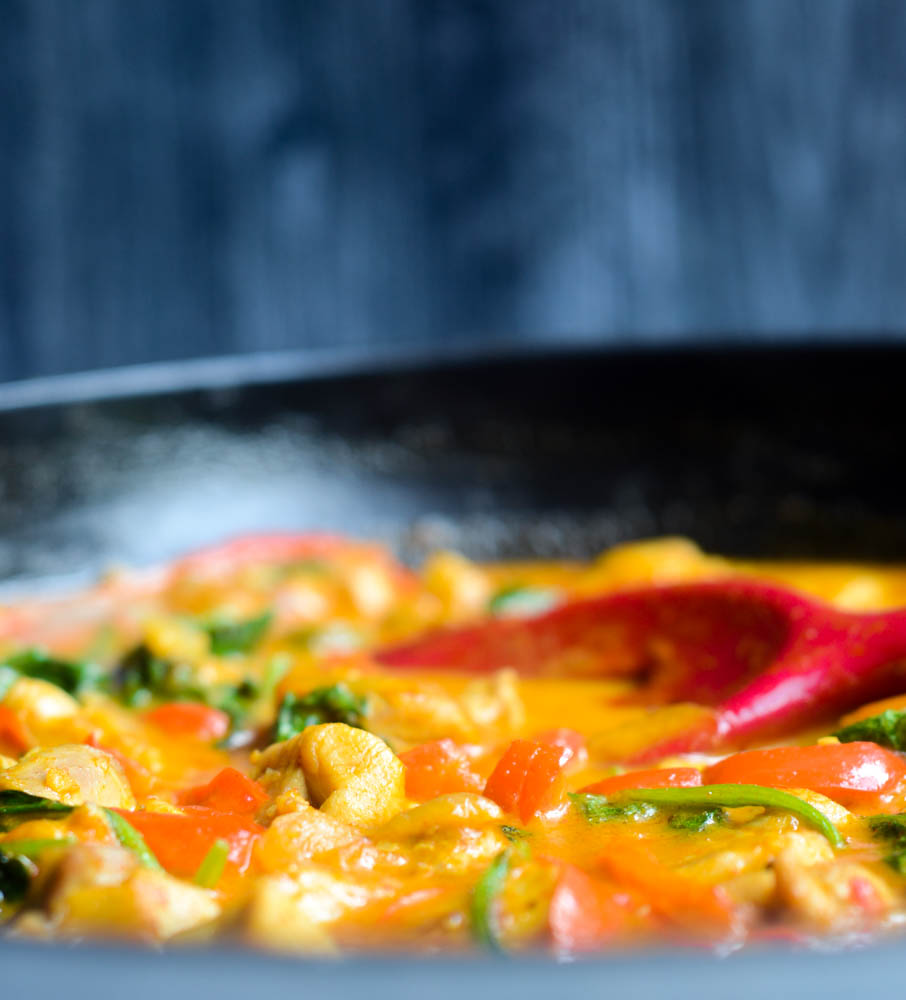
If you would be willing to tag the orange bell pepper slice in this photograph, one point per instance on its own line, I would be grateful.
(852, 774)
(13, 732)
(438, 768)
(190, 718)
(587, 913)
(676, 897)
(527, 780)
(570, 741)
(228, 791)
(665, 777)
(180, 842)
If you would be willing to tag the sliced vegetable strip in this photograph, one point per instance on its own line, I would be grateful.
(850, 773)
(13, 733)
(438, 768)
(673, 777)
(730, 797)
(587, 913)
(228, 791)
(482, 909)
(131, 839)
(677, 897)
(212, 865)
(180, 842)
(190, 718)
(527, 780)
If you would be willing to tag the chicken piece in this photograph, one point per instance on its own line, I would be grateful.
(300, 835)
(756, 846)
(103, 890)
(459, 809)
(352, 774)
(278, 769)
(754, 888)
(462, 587)
(370, 589)
(827, 893)
(294, 913)
(453, 833)
(420, 714)
(47, 712)
(73, 774)
(494, 703)
(659, 560)
(277, 918)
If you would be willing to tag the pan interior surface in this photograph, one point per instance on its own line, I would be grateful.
(782, 453)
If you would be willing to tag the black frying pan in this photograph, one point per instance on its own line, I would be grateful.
(760, 452)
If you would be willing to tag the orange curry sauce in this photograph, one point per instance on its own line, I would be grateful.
(213, 749)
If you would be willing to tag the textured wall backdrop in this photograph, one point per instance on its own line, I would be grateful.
(182, 177)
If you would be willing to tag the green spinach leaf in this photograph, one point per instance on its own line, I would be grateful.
(231, 638)
(73, 676)
(15, 878)
(887, 730)
(325, 704)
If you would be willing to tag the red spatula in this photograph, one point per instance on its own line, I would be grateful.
(768, 659)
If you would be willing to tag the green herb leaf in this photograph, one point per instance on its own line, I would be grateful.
(15, 878)
(31, 847)
(276, 670)
(889, 827)
(484, 901)
(74, 677)
(892, 828)
(141, 676)
(326, 704)
(326, 640)
(695, 822)
(230, 638)
(732, 796)
(212, 865)
(236, 701)
(887, 730)
(897, 862)
(601, 809)
(132, 840)
(13, 803)
(523, 602)
(8, 677)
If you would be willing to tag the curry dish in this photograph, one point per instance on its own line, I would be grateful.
(296, 743)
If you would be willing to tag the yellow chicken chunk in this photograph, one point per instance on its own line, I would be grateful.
(352, 774)
(73, 774)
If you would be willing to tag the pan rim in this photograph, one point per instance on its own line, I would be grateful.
(230, 371)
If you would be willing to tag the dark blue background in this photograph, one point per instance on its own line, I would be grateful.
(185, 177)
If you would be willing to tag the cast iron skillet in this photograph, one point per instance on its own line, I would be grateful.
(751, 451)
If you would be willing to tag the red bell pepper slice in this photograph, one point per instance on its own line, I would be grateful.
(190, 718)
(669, 777)
(527, 780)
(438, 768)
(228, 791)
(852, 774)
(587, 913)
(13, 732)
(570, 741)
(181, 841)
(678, 898)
